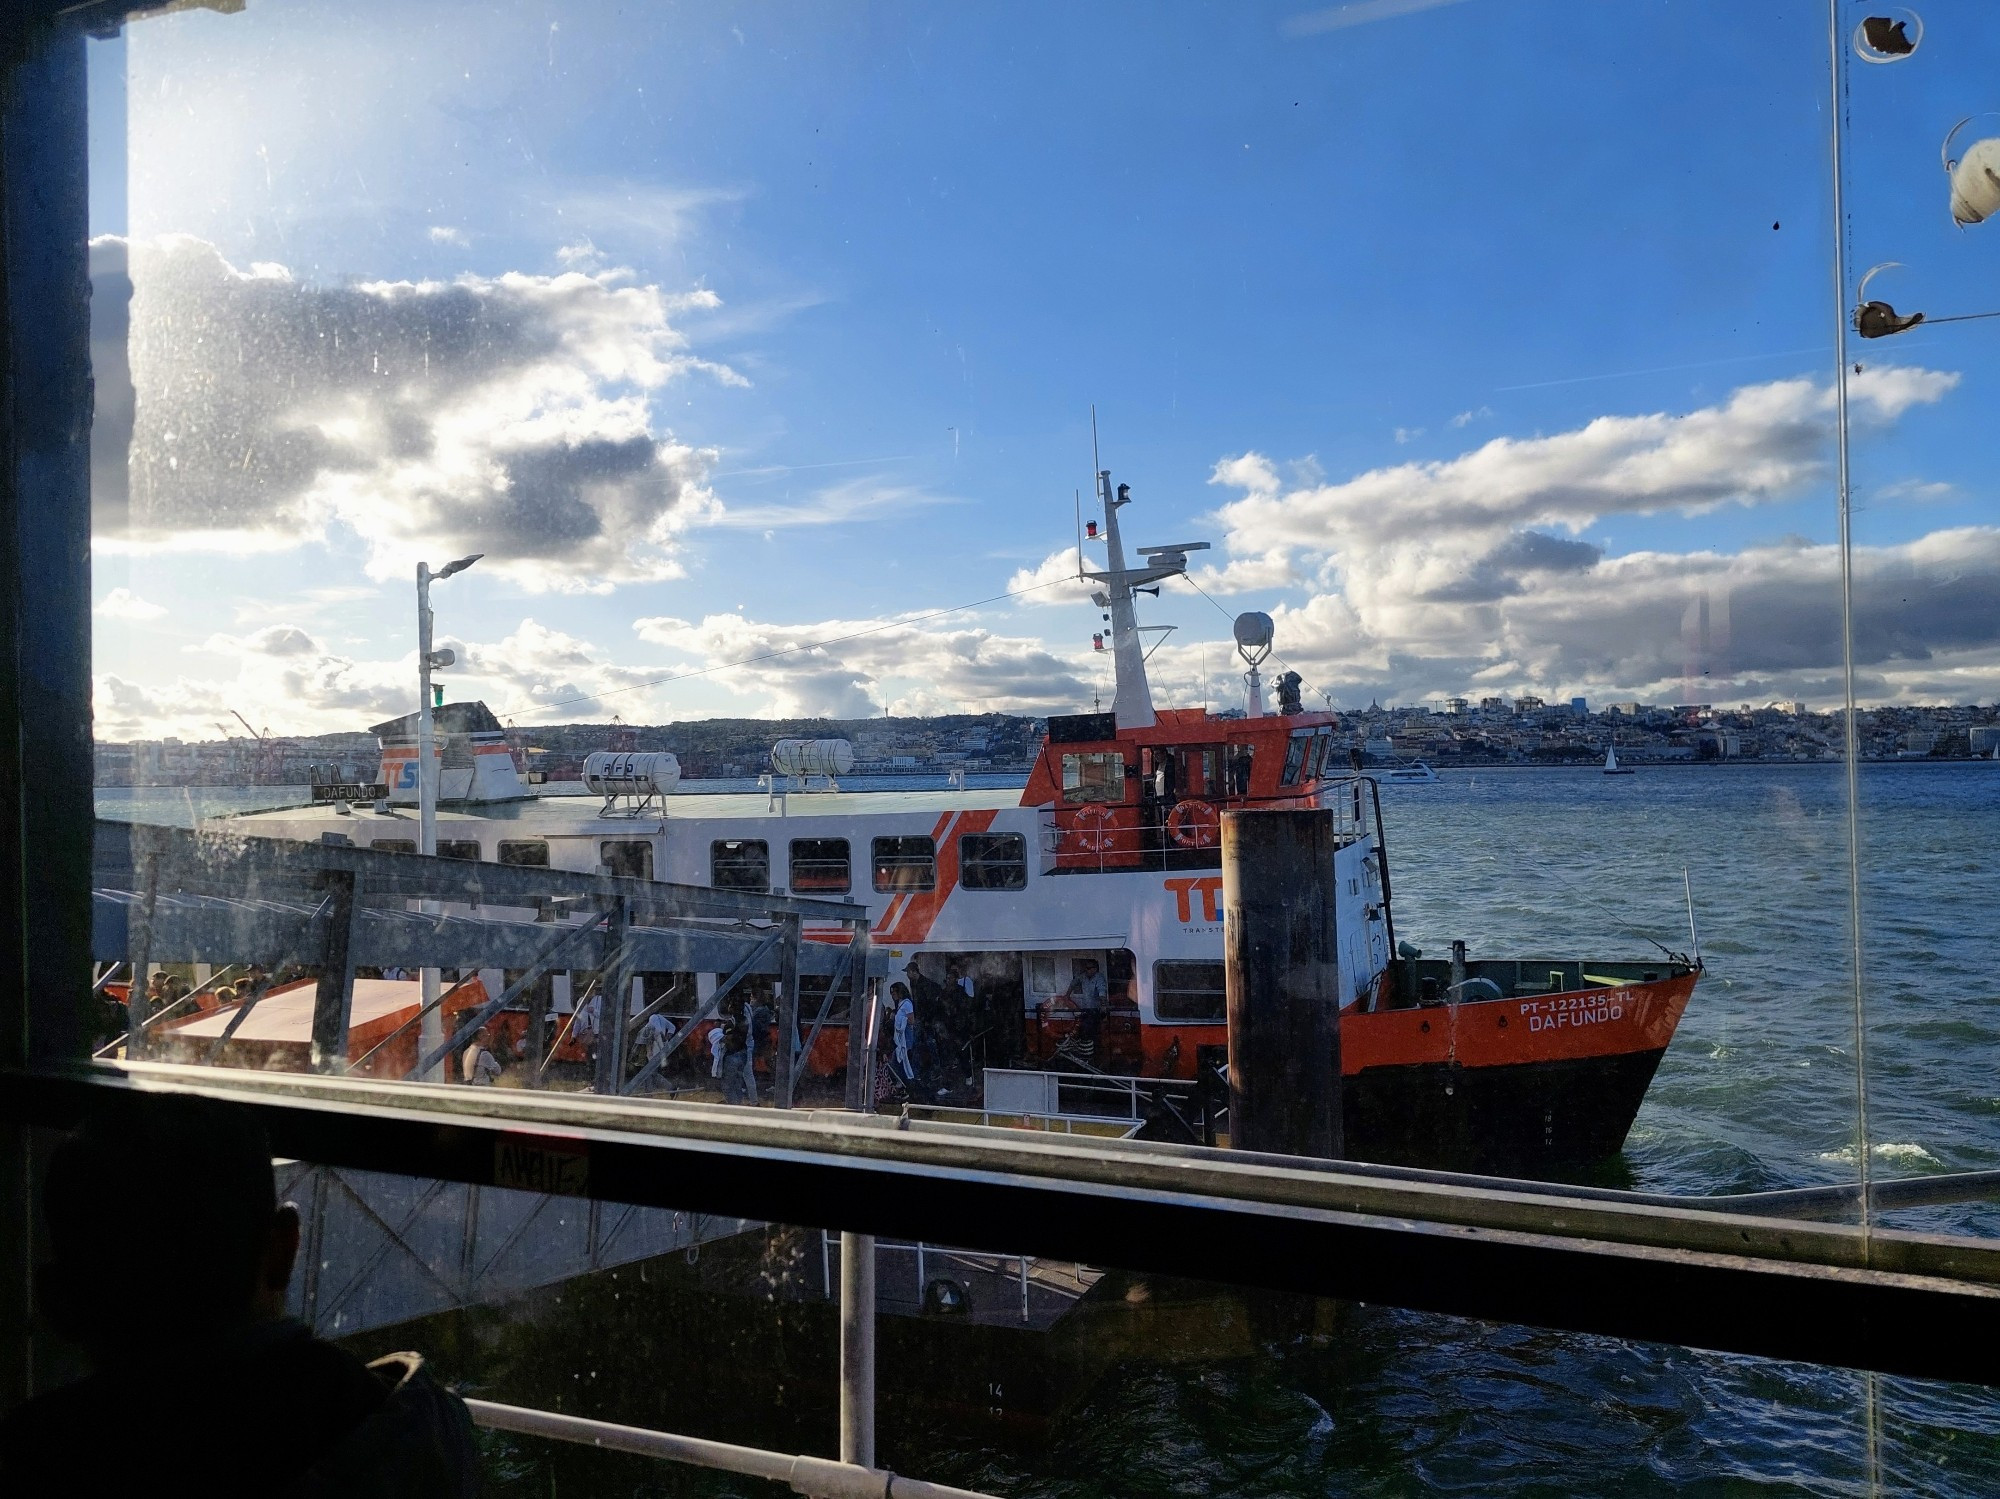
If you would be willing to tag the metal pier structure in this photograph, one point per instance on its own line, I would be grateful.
(163, 894)
(378, 1249)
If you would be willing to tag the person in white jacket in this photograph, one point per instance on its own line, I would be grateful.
(905, 1018)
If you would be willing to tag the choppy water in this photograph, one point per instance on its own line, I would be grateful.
(1757, 1091)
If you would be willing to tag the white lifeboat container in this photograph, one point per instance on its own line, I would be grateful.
(631, 773)
(800, 758)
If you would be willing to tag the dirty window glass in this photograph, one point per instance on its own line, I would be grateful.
(1098, 776)
(721, 370)
(993, 861)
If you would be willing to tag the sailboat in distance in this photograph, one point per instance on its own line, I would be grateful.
(1611, 765)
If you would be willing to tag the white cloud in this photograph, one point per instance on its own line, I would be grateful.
(1433, 575)
(1917, 492)
(1055, 580)
(123, 603)
(1467, 418)
(304, 686)
(872, 665)
(1408, 434)
(510, 415)
(444, 234)
(1250, 573)
(1359, 13)
(837, 504)
(651, 215)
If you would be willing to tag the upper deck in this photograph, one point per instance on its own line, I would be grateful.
(545, 816)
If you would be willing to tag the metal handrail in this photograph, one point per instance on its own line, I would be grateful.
(1049, 1123)
(1894, 1301)
(821, 1477)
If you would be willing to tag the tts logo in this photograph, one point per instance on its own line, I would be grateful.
(1210, 886)
(406, 775)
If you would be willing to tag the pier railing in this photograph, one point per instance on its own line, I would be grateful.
(1503, 1250)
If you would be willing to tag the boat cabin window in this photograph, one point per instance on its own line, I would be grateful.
(905, 864)
(459, 848)
(1182, 770)
(1189, 991)
(739, 864)
(1316, 759)
(395, 845)
(1295, 759)
(1094, 776)
(529, 853)
(1237, 765)
(631, 857)
(993, 861)
(820, 865)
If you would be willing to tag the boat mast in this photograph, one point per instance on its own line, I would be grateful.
(1132, 701)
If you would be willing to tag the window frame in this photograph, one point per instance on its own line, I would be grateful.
(1296, 750)
(1161, 987)
(1077, 793)
(902, 861)
(967, 862)
(715, 881)
(605, 845)
(812, 886)
(508, 847)
(1322, 745)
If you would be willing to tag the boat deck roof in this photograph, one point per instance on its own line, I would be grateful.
(559, 814)
(286, 1015)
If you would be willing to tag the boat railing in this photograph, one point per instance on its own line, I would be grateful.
(1113, 1126)
(1143, 833)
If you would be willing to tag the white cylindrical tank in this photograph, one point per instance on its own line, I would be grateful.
(628, 773)
(1975, 183)
(812, 757)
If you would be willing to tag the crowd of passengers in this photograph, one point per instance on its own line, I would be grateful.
(926, 1052)
(930, 1044)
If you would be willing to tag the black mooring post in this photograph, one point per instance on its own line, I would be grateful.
(785, 1058)
(333, 995)
(1282, 974)
(539, 996)
(860, 1055)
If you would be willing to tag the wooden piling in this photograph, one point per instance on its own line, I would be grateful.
(1282, 974)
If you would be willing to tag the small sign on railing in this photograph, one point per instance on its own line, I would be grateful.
(542, 1163)
(349, 791)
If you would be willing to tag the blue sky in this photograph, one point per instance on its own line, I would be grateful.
(1491, 344)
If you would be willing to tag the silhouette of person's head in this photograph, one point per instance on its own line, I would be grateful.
(165, 1229)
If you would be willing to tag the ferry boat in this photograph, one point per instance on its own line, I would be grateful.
(1072, 930)
(1417, 773)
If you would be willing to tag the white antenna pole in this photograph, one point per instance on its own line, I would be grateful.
(1693, 936)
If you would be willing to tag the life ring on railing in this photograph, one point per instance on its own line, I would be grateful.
(1194, 824)
(1092, 829)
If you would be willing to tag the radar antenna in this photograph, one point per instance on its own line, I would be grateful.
(1254, 632)
(1132, 702)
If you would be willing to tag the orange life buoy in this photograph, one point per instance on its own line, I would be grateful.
(1194, 824)
(1092, 829)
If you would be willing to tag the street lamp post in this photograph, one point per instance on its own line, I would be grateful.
(431, 1032)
